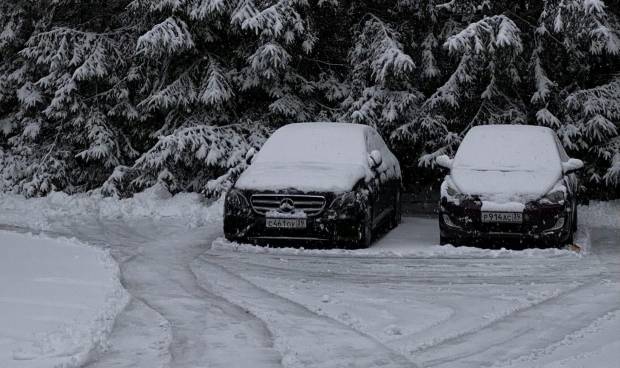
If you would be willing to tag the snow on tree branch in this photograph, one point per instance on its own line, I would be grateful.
(177, 160)
(166, 38)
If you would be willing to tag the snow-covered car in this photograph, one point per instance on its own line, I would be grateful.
(335, 182)
(512, 182)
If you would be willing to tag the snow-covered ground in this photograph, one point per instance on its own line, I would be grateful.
(199, 301)
(58, 301)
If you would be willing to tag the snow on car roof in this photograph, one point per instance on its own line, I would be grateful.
(316, 142)
(509, 148)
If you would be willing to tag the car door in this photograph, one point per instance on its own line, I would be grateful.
(392, 182)
(383, 201)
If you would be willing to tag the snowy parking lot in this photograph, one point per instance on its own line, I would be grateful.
(199, 301)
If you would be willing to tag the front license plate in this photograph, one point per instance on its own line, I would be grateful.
(503, 217)
(286, 223)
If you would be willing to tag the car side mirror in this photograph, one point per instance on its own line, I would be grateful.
(249, 156)
(444, 161)
(374, 159)
(572, 165)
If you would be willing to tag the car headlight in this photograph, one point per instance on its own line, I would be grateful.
(557, 194)
(349, 203)
(236, 202)
(450, 192)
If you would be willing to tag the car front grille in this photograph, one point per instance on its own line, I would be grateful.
(311, 204)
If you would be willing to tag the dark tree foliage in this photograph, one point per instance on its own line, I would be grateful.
(119, 95)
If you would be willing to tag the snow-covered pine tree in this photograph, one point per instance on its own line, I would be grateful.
(217, 74)
(72, 101)
(575, 90)
(123, 94)
(594, 114)
(383, 93)
(481, 90)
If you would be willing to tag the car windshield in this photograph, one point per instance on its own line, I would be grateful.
(315, 142)
(507, 148)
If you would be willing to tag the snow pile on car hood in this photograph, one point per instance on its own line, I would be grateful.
(310, 157)
(155, 202)
(59, 301)
(496, 186)
(507, 163)
(305, 177)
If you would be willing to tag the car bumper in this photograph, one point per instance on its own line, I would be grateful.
(549, 225)
(252, 228)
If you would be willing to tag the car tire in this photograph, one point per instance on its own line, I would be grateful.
(443, 240)
(397, 216)
(570, 240)
(575, 220)
(366, 237)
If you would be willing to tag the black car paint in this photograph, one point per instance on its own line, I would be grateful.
(538, 220)
(378, 201)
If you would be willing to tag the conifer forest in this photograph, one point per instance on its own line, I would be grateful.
(115, 96)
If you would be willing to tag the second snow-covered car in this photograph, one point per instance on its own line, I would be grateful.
(512, 182)
(316, 181)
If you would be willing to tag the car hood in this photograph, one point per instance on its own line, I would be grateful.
(505, 186)
(303, 177)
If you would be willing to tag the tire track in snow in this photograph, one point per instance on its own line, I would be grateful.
(585, 272)
(541, 325)
(252, 265)
(579, 344)
(419, 346)
(526, 330)
(195, 328)
(304, 337)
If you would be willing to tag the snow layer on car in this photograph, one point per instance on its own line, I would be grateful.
(315, 142)
(315, 157)
(59, 301)
(507, 162)
(306, 177)
(502, 207)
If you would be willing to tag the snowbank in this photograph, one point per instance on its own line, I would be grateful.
(414, 251)
(58, 303)
(406, 251)
(415, 238)
(600, 214)
(154, 203)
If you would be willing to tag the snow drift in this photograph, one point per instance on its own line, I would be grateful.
(59, 301)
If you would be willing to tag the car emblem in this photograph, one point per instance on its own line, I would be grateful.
(287, 205)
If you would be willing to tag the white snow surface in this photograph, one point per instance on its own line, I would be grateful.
(199, 301)
(507, 162)
(316, 142)
(400, 243)
(155, 203)
(58, 302)
(306, 177)
(502, 207)
(317, 157)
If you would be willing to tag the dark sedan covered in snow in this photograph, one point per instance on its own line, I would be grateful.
(511, 182)
(334, 182)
